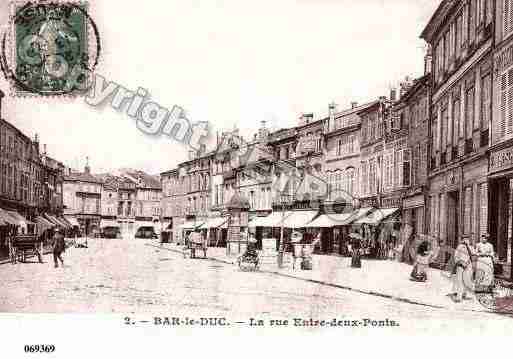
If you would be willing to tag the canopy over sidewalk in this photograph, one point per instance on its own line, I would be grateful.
(299, 219)
(215, 222)
(272, 220)
(377, 216)
(330, 220)
(72, 220)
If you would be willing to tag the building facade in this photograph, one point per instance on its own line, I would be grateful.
(501, 146)
(461, 36)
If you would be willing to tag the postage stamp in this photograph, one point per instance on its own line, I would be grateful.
(50, 48)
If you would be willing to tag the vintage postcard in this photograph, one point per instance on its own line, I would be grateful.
(217, 167)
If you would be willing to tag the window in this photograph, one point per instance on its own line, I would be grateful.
(443, 133)
(339, 147)
(456, 113)
(507, 20)
(469, 112)
(486, 106)
(472, 21)
(467, 220)
(365, 177)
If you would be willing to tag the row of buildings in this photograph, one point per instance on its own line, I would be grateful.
(439, 150)
(38, 192)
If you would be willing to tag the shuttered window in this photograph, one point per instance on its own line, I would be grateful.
(443, 134)
(467, 217)
(507, 19)
(472, 21)
(406, 167)
(469, 112)
(486, 101)
(483, 210)
(456, 113)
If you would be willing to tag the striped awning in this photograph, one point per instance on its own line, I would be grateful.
(377, 216)
(18, 218)
(43, 224)
(5, 218)
(272, 220)
(72, 220)
(216, 222)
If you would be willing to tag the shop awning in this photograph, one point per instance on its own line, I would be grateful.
(191, 225)
(331, 220)
(377, 216)
(18, 218)
(216, 222)
(272, 220)
(61, 222)
(53, 219)
(299, 219)
(108, 223)
(5, 218)
(43, 224)
(65, 221)
(139, 224)
(72, 220)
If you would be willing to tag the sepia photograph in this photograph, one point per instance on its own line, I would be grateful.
(189, 169)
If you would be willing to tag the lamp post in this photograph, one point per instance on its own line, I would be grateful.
(283, 199)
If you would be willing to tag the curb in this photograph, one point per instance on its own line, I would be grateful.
(333, 285)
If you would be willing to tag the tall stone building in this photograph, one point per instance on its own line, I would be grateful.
(501, 146)
(82, 199)
(461, 36)
(30, 181)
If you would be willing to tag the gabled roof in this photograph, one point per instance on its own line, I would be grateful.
(145, 180)
(82, 177)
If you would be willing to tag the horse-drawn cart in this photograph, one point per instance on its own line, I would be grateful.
(24, 245)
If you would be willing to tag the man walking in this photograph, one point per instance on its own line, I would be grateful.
(58, 247)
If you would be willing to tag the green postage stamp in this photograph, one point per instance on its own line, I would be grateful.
(51, 48)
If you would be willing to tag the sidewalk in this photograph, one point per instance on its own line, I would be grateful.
(388, 279)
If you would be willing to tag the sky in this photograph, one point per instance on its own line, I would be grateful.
(232, 63)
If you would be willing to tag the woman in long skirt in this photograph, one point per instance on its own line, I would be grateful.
(484, 264)
(356, 261)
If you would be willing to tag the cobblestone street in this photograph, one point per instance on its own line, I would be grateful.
(133, 276)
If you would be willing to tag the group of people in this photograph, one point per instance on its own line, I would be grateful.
(472, 266)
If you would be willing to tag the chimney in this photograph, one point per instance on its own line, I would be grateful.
(44, 149)
(354, 105)
(332, 109)
(87, 169)
(36, 141)
(306, 118)
(263, 132)
(2, 95)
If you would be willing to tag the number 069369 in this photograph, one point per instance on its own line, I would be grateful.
(39, 348)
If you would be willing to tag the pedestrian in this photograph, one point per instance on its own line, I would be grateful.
(356, 241)
(484, 264)
(425, 255)
(463, 270)
(59, 247)
(295, 240)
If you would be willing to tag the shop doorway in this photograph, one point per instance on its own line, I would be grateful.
(501, 221)
(453, 216)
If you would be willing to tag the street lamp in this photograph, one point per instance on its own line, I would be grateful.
(284, 199)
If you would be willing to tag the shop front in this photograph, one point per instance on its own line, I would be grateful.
(500, 181)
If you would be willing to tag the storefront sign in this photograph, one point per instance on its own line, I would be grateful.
(391, 202)
(501, 160)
